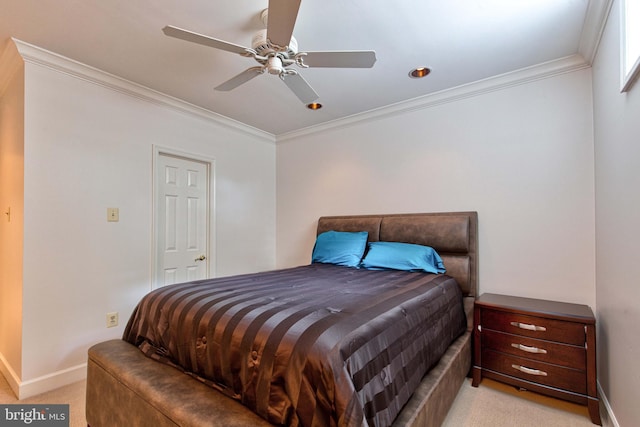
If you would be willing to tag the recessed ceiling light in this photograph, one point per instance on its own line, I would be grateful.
(419, 72)
(314, 106)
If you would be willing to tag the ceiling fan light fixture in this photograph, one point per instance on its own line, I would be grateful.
(420, 72)
(314, 106)
(274, 65)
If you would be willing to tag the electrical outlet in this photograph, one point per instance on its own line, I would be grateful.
(112, 319)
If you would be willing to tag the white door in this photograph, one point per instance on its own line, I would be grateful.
(182, 202)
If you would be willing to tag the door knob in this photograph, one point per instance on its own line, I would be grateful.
(201, 258)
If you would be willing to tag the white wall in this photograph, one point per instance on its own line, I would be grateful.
(617, 160)
(88, 147)
(521, 156)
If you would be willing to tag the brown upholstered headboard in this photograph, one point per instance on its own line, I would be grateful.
(454, 235)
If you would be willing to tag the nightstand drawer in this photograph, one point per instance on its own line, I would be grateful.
(543, 373)
(531, 348)
(535, 327)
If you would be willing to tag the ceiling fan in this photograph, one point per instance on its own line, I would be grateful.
(276, 50)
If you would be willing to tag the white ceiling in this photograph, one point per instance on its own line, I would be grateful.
(462, 41)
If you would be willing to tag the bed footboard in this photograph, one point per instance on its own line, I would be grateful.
(126, 388)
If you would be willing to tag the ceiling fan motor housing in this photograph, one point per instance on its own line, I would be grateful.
(263, 47)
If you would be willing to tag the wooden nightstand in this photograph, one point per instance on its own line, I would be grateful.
(544, 346)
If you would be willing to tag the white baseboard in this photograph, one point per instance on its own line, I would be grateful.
(25, 389)
(10, 375)
(610, 420)
(52, 381)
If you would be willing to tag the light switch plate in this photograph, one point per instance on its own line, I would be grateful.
(113, 215)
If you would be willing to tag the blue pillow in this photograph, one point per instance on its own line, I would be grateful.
(402, 256)
(340, 248)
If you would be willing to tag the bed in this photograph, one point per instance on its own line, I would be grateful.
(183, 366)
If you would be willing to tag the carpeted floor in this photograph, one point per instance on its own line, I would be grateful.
(490, 405)
(73, 394)
(496, 404)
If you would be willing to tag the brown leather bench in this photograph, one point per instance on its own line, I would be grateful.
(121, 376)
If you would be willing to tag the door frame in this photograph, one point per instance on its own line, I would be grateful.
(211, 211)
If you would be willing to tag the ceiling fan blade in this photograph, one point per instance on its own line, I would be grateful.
(300, 88)
(281, 20)
(339, 59)
(190, 36)
(241, 78)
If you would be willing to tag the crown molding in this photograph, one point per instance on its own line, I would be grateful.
(593, 27)
(38, 56)
(515, 78)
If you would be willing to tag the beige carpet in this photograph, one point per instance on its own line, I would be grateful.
(73, 394)
(497, 404)
(490, 405)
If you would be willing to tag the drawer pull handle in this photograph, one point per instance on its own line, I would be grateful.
(529, 370)
(529, 327)
(529, 349)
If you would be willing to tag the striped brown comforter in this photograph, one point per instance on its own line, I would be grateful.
(317, 345)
